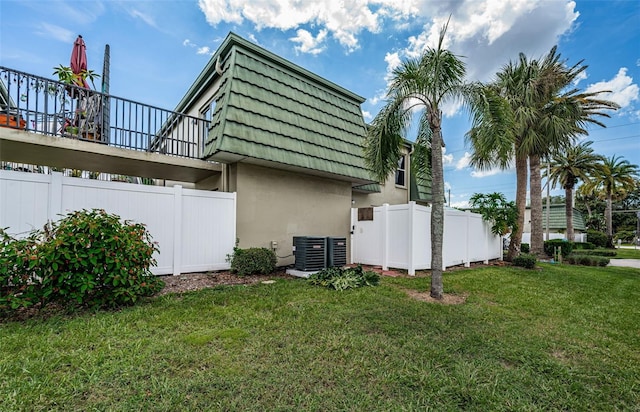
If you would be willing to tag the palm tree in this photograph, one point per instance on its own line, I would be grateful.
(562, 119)
(544, 118)
(567, 168)
(422, 85)
(616, 178)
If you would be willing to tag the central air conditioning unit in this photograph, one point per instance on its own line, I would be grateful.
(310, 253)
(336, 251)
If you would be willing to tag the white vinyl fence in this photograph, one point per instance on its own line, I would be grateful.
(399, 236)
(194, 229)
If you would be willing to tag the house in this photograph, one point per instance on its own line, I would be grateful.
(557, 223)
(400, 187)
(291, 146)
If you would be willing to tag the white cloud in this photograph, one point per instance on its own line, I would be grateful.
(483, 32)
(621, 89)
(204, 50)
(485, 173)
(143, 16)
(447, 186)
(580, 77)
(464, 161)
(56, 32)
(447, 159)
(343, 19)
(187, 42)
(367, 116)
(308, 43)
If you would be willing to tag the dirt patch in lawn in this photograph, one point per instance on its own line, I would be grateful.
(187, 282)
(447, 299)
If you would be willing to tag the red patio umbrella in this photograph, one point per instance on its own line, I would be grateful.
(79, 60)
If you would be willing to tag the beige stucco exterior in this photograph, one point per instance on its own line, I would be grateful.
(389, 193)
(276, 205)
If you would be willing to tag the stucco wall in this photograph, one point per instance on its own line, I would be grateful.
(389, 193)
(277, 205)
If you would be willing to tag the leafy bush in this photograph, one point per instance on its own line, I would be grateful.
(587, 260)
(565, 247)
(251, 261)
(595, 252)
(625, 236)
(524, 248)
(599, 239)
(19, 279)
(342, 279)
(94, 258)
(525, 260)
(88, 258)
(583, 245)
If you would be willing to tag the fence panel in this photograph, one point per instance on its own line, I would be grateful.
(195, 230)
(399, 236)
(368, 247)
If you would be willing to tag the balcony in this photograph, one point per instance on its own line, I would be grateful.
(46, 122)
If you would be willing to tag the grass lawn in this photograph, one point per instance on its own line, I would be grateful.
(624, 253)
(558, 338)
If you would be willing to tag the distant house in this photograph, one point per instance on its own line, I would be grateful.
(557, 223)
(290, 144)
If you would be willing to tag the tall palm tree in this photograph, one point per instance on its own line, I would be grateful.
(562, 119)
(567, 168)
(421, 86)
(616, 178)
(545, 118)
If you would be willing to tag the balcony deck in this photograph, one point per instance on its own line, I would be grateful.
(45, 122)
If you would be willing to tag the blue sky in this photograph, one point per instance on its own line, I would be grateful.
(159, 47)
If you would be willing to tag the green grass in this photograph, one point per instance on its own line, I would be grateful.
(624, 253)
(557, 338)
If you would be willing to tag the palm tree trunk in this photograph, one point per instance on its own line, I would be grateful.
(521, 204)
(437, 205)
(535, 188)
(568, 205)
(609, 220)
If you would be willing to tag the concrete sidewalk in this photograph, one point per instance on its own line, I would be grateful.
(630, 263)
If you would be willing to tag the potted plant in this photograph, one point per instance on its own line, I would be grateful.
(67, 76)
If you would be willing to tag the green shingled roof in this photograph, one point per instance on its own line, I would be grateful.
(420, 191)
(270, 111)
(558, 218)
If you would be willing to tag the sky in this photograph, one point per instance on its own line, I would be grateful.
(159, 47)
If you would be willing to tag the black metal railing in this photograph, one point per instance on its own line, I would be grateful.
(44, 106)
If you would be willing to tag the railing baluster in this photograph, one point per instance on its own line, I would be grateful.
(46, 106)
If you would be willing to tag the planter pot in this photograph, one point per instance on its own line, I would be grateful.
(11, 121)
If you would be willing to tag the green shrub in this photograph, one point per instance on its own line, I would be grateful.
(587, 260)
(595, 252)
(524, 247)
(253, 260)
(565, 247)
(525, 260)
(342, 279)
(19, 279)
(625, 236)
(599, 239)
(88, 258)
(583, 245)
(95, 259)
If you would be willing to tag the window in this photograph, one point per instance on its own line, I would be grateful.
(401, 172)
(206, 113)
